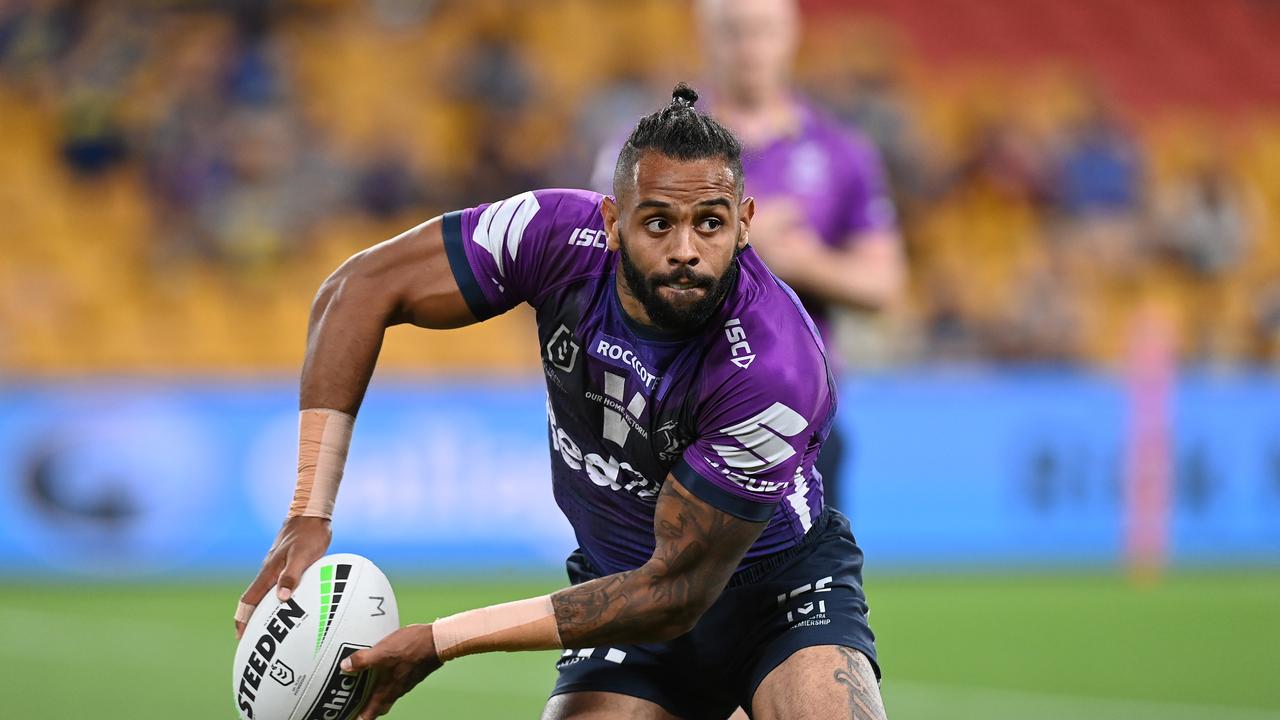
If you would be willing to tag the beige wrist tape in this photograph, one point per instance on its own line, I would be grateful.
(520, 625)
(323, 439)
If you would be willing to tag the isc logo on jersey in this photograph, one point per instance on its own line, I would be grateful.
(587, 237)
(739, 349)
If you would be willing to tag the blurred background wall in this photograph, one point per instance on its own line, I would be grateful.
(1089, 193)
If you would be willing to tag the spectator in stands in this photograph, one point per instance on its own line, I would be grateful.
(186, 139)
(281, 184)
(34, 36)
(386, 185)
(615, 105)
(1266, 326)
(1205, 219)
(495, 84)
(1006, 160)
(1099, 188)
(494, 74)
(1204, 223)
(95, 73)
(1100, 167)
(253, 75)
(1042, 324)
(949, 330)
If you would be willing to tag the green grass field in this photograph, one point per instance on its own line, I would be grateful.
(993, 647)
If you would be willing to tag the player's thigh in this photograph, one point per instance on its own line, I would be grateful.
(602, 706)
(824, 682)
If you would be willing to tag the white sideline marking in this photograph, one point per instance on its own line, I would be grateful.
(907, 699)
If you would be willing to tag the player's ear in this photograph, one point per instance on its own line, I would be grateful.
(746, 211)
(609, 211)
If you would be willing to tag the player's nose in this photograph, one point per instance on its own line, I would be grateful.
(683, 250)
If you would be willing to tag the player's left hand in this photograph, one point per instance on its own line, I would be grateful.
(400, 661)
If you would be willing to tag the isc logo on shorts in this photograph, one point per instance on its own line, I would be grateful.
(805, 613)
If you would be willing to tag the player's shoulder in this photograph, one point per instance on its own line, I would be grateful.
(574, 240)
(766, 343)
(571, 204)
(519, 248)
(551, 212)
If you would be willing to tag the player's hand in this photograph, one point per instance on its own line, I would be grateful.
(301, 542)
(775, 217)
(783, 238)
(399, 662)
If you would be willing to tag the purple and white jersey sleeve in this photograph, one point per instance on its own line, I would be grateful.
(758, 432)
(514, 250)
(867, 203)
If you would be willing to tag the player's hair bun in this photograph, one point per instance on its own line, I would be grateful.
(684, 95)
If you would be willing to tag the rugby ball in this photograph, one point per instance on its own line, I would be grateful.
(286, 665)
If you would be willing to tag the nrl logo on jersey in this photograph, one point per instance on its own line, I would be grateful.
(562, 349)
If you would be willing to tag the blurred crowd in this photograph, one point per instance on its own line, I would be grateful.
(177, 177)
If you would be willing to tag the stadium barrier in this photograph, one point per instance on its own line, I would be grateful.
(947, 468)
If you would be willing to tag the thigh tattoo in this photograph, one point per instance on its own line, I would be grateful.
(859, 679)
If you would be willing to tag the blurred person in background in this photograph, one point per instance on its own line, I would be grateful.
(826, 224)
(1099, 186)
(1204, 222)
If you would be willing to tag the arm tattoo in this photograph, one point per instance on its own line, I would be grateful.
(858, 677)
(696, 550)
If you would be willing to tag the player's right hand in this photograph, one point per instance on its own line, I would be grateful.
(301, 542)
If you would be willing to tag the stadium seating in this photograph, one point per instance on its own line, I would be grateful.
(88, 284)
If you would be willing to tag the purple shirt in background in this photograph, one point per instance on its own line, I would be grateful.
(834, 176)
(737, 411)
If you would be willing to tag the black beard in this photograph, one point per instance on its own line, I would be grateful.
(663, 314)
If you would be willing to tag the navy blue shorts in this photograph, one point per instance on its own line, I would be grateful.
(806, 596)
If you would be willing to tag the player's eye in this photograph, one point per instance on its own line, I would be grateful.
(711, 224)
(656, 225)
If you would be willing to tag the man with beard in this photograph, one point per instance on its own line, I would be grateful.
(688, 397)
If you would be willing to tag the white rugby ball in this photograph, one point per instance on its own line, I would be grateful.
(287, 662)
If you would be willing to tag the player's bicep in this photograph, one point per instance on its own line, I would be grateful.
(412, 272)
(697, 546)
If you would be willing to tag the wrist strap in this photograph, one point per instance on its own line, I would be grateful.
(324, 437)
(520, 625)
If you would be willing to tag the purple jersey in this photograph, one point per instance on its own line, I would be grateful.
(831, 173)
(736, 411)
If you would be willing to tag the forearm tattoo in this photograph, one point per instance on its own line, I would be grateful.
(696, 550)
(864, 693)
